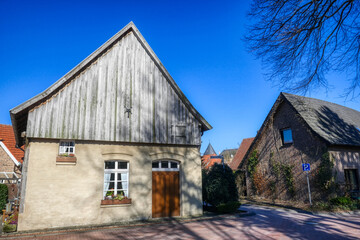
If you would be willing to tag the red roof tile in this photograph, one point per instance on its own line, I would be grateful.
(240, 153)
(8, 138)
(208, 162)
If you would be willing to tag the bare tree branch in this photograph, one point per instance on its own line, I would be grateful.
(301, 41)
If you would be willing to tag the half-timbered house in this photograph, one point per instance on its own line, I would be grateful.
(114, 139)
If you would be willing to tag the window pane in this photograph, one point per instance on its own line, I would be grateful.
(351, 179)
(112, 176)
(109, 165)
(122, 176)
(72, 144)
(155, 164)
(287, 136)
(164, 164)
(122, 185)
(174, 165)
(107, 177)
(112, 186)
(71, 150)
(122, 165)
(121, 193)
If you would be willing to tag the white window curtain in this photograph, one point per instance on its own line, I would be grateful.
(106, 183)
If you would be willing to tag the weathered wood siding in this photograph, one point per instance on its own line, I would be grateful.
(93, 105)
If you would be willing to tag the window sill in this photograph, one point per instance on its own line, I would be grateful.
(63, 159)
(115, 201)
(286, 145)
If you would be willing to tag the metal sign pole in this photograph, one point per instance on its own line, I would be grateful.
(308, 183)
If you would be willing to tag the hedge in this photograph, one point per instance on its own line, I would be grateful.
(3, 196)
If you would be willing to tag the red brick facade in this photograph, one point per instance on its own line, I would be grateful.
(274, 157)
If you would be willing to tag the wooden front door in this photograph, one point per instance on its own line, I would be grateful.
(165, 194)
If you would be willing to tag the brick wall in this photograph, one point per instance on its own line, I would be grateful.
(6, 164)
(272, 155)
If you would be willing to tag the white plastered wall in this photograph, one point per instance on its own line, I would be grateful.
(70, 195)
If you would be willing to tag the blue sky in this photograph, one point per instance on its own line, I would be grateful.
(199, 43)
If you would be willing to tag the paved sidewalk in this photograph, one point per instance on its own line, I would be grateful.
(268, 223)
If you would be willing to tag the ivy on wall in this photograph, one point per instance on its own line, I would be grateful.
(3, 196)
(281, 170)
(324, 178)
(251, 168)
(287, 171)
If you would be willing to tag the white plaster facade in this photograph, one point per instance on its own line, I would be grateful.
(345, 159)
(62, 195)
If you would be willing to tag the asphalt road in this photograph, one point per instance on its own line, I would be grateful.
(268, 223)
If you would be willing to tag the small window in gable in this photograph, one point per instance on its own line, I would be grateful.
(286, 136)
(67, 148)
(179, 133)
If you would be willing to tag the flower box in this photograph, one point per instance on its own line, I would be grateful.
(65, 159)
(116, 201)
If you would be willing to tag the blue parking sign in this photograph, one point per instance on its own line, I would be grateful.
(306, 166)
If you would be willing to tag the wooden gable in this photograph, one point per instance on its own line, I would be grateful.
(122, 93)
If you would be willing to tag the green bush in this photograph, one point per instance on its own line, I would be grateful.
(219, 185)
(3, 196)
(9, 228)
(325, 180)
(341, 201)
(204, 183)
(228, 207)
(321, 206)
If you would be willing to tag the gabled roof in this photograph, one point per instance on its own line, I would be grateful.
(7, 139)
(209, 150)
(19, 114)
(240, 153)
(336, 124)
(228, 152)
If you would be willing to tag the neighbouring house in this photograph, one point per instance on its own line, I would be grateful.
(228, 155)
(301, 130)
(240, 153)
(207, 159)
(11, 159)
(115, 139)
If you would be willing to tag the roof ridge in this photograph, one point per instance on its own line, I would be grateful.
(317, 99)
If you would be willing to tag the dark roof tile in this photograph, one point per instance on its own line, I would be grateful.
(337, 124)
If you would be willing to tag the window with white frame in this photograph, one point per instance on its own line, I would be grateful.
(116, 179)
(67, 147)
(165, 165)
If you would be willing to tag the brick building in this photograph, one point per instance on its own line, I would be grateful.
(240, 153)
(301, 130)
(11, 159)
